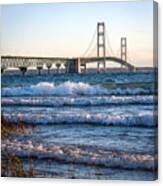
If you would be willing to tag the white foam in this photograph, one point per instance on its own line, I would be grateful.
(140, 119)
(77, 101)
(69, 88)
(86, 155)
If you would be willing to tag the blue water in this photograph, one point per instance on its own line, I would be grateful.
(90, 126)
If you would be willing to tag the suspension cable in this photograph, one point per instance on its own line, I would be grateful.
(90, 44)
(109, 45)
(92, 51)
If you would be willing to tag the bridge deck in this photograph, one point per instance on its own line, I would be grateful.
(29, 61)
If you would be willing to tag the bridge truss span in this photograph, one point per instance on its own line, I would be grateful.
(110, 58)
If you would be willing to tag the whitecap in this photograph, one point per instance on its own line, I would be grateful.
(82, 155)
(69, 88)
(77, 101)
(140, 119)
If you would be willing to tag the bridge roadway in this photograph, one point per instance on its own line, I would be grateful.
(72, 65)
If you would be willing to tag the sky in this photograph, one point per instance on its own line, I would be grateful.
(66, 29)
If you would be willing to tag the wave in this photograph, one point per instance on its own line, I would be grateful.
(81, 155)
(70, 88)
(78, 101)
(141, 119)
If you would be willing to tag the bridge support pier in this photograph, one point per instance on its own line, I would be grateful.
(78, 65)
(49, 66)
(101, 69)
(85, 68)
(39, 68)
(74, 66)
(2, 70)
(23, 70)
(66, 67)
(58, 65)
(98, 67)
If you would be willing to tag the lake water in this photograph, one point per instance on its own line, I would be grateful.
(89, 126)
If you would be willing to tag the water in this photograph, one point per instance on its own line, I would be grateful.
(92, 126)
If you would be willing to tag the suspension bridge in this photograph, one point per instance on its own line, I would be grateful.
(74, 65)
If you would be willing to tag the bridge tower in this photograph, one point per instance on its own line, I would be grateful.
(123, 49)
(101, 44)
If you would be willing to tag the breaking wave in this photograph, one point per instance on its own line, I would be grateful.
(147, 120)
(82, 155)
(77, 101)
(70, 88)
